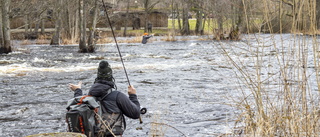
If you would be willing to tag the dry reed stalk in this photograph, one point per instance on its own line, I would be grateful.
(292, 109)
(68, 41)
(42, 41)
(136, 39)
(156, 130)
(25, 42)
(169, 37)
(105, 40)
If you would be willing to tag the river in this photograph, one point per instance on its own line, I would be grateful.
(188, 86)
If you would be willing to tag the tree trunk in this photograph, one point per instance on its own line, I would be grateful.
(1, 26)
(179, 16)
(26, 26)
(185, 21)
(127, 18)
(173, 20)
(241, 16)
(318, 14)
(65, 19)
(148, 6)
(91, 40)
(6, 46)
(146, 12)
(71, 20)
(199, 18)
(36, 24)
(42, 26)
(56, 36)
(82, 15)
(76, 30)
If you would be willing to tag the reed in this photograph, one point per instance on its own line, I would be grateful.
(25, 42)
(170, 37)
(279, 77)
(42, 39)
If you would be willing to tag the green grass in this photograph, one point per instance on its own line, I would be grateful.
(192, 23)
(210, 24)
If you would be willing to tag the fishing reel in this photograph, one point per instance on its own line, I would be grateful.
(143, 110)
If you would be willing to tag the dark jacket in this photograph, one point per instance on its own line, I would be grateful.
(116, 103)
(145, 39)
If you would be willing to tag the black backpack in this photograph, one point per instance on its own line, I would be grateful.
(81, 115)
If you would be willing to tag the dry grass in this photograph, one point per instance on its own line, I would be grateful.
(136, 39)
(290, 111)
(105, 40)
(25, 42)
(68, 41)
(169, 37)
(283, 103)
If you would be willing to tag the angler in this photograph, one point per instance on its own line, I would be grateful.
(145, 38)
(114, 104)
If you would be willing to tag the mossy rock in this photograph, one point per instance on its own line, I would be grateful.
(60, 134)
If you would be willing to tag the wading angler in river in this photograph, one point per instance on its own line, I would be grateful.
(114, 104)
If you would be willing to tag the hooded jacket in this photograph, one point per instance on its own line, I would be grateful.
(115, 103)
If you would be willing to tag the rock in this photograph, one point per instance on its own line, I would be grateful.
(61, 134)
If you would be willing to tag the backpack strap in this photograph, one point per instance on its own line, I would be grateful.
(108, 92)
(101, 100)
(81, 100)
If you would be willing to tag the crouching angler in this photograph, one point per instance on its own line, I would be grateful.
(114, 104)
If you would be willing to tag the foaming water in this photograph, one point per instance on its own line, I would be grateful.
(12, 70)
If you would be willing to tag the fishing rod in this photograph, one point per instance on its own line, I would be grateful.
(142, 110)
(114, 37)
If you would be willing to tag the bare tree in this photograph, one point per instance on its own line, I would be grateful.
(199, 16)
(185, 20)
(318, 13)
(91, 39)
(5, 46)
(70, 21)
(148, 7)
(173, 5)
(57, 34)
(82, 14)
(34, 13)
(127, 18)
(1, 30)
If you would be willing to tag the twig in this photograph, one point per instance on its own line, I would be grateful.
(169, 126)
(100, 118)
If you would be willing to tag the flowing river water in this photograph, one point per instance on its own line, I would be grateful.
(187, 86)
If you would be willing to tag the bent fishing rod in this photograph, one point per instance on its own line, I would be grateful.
(114, 37)
(142, 110)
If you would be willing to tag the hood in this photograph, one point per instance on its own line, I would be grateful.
(100, 88)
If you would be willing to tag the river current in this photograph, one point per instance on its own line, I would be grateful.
(188, 87)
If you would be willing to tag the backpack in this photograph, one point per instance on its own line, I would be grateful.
(81, 115)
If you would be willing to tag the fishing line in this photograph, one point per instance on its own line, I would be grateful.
(114, 37)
